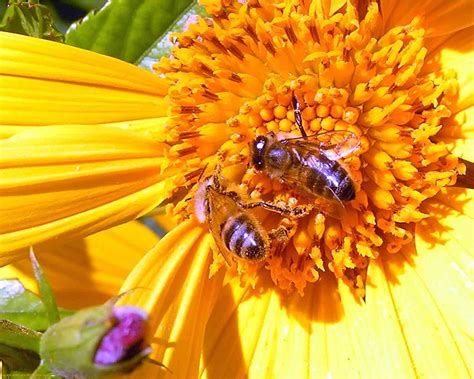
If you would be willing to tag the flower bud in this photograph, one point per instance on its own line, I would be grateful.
(95, 341)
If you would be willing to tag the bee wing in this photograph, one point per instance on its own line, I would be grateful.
(331, 205)
(221, 206)
(334, 145)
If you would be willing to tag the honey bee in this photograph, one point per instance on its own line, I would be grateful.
(236, 231)
(308, 164)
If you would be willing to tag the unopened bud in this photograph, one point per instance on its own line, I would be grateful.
(95, 342)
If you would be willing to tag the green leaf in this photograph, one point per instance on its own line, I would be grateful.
(23, 307)
(45, 290)
(126, 29)
(163, 46)
(18, 359)
(31, 19)
(15, 335)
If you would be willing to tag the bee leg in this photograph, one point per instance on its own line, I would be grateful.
(281, 235)
(216, 178)
(297, 211)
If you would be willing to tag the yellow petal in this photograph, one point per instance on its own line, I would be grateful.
(269, 334)
(437, 345)
(438, 17)
(172, 283)
(373, 327)
(87, 271)
(156, 128)
(455, 53)
(419, 302)
(458, 134)
(74, 181)
(460, 41)
(44, 82)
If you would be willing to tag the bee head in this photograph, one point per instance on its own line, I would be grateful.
(258, 151)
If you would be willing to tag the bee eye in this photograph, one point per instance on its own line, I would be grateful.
(258, 149)
(257, 161)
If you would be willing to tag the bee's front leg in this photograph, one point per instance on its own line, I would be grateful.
(295, 211)
(280, 236)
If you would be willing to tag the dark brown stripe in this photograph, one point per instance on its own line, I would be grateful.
(231, 225)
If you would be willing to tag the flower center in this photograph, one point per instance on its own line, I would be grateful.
(263, 67)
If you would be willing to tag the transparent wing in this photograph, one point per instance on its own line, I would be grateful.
(334, 145)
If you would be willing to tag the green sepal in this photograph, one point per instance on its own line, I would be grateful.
(18, 336)
(46, 292)
(23, 307)
(30, 18)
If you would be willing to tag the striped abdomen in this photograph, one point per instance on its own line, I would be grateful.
(244, 238)
(326, 177)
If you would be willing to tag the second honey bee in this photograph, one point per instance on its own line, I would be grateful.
(308, 164)
(236, 231)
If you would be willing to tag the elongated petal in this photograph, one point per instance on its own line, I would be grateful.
(271, 334)
(89, 271)
(439, 17)
(172, 283)
(74, 181)
(44, 82)
(155, 128)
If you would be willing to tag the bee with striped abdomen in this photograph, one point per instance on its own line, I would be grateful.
(308, 164)
(236, 231)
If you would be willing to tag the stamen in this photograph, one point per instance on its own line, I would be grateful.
(210, 95)
(235, 78)
(206, 71)
(219, 45)
(188, 134)
(187, 150)
(251, 32)
(235, 50)
(188, 109)
(269, 46)
(193, 174)
(291, 34)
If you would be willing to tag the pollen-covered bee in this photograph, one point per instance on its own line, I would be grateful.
(308, 164)
(236, 231)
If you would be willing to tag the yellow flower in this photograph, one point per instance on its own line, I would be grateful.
(337, 300)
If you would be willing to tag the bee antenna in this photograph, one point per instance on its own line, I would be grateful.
(298, 118)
